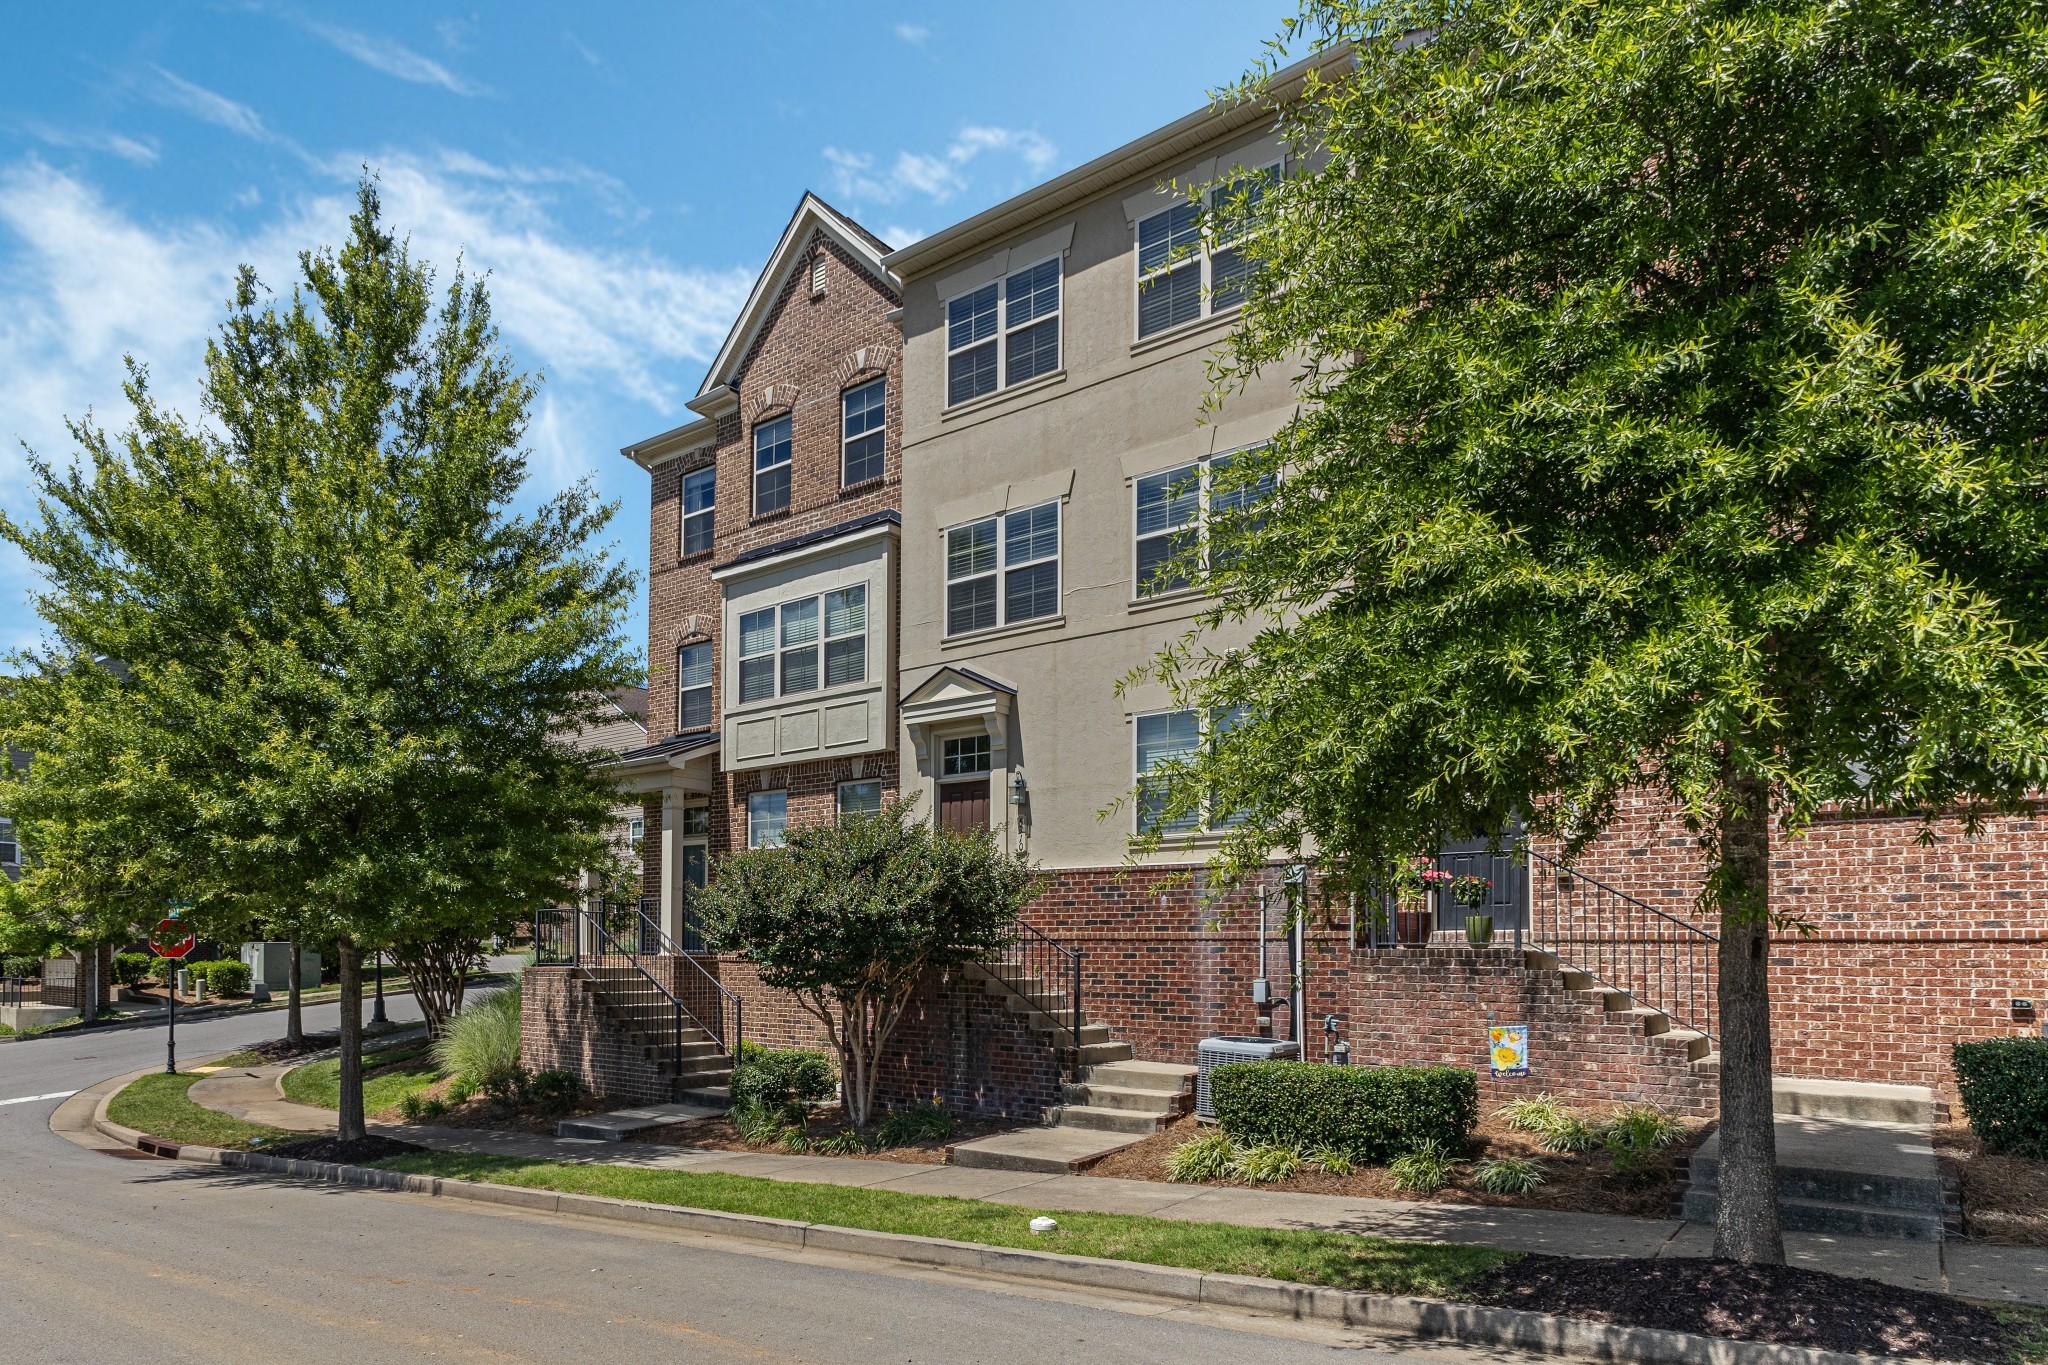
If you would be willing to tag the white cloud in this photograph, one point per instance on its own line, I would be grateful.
(115, 144)
(898, 236)
(917, 35)
(939, 177)
(391, 57)
(204, 104)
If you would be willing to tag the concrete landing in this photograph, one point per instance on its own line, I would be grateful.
(1858, 1101)
(1839, 1176)
(617, 1125)
(1052, 1150)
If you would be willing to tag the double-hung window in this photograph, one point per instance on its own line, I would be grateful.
(861, 420)
(1165, 738)
(1003, 333)
(700, 499)
(860, 798)
(1185, 273)
(1175, 510)
(1003, 570)
(10, 850)
(693, 686)
(772, 446)
(767, 819)
(803, 645)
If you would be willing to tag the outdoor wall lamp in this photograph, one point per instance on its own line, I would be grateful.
(1017, 789)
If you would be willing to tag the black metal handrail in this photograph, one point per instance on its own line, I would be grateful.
(16, 990)
(713, 1000)
(617, 933)
(1656, 959)
(1029, 957)
(1384, 921)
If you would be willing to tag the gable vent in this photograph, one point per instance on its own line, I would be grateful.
(817, 274)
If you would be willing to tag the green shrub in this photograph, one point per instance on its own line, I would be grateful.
(1371, 1114)
(480, 1048)
(781, 1083)
(225, 976)
(1266, 1163)
(553, 1092)
(1208, 1157)
(846, 1142)
(1423, 1170)
(927, 1122)
(1634, 1137)
(756, 1125)
(130, 969)
(417, 1107)
(21, 966)
(1571, 1134)
(1331, 1161)
(2004, 1085)
(1538, 1114)
(1508, 1175)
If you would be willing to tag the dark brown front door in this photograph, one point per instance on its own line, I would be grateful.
(963, 806)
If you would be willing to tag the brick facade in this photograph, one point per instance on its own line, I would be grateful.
(562, 1028)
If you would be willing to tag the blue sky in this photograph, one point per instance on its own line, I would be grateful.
(621, 170)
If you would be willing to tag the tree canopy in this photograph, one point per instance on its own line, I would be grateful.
(1672, 380)
(306, 661)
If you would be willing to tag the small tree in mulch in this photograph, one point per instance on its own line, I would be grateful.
(851, 916)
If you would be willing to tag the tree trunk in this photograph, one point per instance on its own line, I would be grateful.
(1746, 1228)
(294, 1019)
(438, 972)
(351, 1126)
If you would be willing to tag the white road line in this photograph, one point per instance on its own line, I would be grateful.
(31, 1099)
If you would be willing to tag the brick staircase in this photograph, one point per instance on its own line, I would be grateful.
(1688, 1044)
(693, 1066)
(1115, 1100)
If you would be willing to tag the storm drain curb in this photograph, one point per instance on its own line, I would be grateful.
(1387, 1313)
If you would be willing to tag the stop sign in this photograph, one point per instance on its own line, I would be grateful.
(170, 939)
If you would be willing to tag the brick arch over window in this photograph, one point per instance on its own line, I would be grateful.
(773, 401)
(694, 629)
(869, 362)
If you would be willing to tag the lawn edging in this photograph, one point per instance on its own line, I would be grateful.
(1431, 1319)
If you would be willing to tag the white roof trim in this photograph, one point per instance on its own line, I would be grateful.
(811, 213)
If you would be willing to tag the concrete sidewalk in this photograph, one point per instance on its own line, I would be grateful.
(1974, 1270)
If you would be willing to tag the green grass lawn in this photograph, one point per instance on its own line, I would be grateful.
(389, 1075)
(1339, 1259)
(158, 1105)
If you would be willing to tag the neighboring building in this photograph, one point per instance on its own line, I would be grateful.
(622, 729)
(772, 567)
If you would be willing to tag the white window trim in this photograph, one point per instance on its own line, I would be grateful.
(1003, 567)
(708, 688)
(845, 440)
(1202, 259)
(783, 792)
(754, 458)
(1204, 509)
(777, 649)
(1204, 727)
(684, 516)
(1003, 330)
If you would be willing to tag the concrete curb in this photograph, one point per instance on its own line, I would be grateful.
(1428, 1319)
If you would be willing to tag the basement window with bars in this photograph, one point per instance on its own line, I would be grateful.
(1003, 570)
(1003, 333)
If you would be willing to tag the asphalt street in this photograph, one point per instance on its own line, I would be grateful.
(106, 1258)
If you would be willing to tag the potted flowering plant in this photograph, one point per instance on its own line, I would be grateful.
(1415, 888)
(1471, 892)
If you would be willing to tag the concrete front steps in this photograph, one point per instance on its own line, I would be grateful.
(1117, 1100)
(1841, 1170)
(1688, 1047)
(698, 1067)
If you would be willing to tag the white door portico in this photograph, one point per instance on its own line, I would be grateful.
(681, 770)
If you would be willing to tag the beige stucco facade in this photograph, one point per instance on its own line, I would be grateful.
(1116, 408)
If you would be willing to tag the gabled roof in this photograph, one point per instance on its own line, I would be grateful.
(812, 214)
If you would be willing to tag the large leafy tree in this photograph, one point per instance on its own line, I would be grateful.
(1673, 381)
(851, 917)
(346, 666)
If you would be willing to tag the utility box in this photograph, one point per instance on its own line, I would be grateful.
(270, 966)
(1235, 1047)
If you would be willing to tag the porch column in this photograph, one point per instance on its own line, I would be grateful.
(671, 856)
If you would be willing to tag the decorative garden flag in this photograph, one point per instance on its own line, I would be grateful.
(1509, 1047)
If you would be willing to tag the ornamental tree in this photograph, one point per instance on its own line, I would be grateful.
(348, 668)
(852, 916)
(1673, 385)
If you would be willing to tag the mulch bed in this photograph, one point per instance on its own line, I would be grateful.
(479, 1111)
(2005, 1198)
(1781, 1305)
(1579, 1184)
(354, 1153)
(719, 1135)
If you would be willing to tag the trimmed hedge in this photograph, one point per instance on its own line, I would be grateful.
(2004, 1084)
(223, 976)
(1372, 1114)
(781, 1083)
(130, 969)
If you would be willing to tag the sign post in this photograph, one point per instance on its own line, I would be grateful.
(170, 940)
